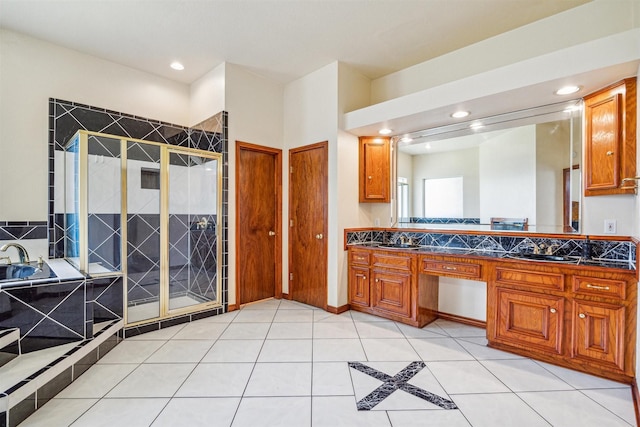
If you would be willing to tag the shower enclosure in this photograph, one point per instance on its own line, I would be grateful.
(147, 211)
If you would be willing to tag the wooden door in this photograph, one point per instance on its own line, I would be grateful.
(308, 198)
(598, 333)
(529, 319)
(258, 222)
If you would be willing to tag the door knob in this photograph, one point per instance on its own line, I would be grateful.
(272, 233)
(319, 236)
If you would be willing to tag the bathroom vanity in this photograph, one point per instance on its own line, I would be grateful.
(572, 313)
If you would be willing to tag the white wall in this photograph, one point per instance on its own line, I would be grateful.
(31, 72)
(353, 92)
(588, 22)
(508, 175)
(551, 138)
(447, 164)
(207, 96)
(311, 116)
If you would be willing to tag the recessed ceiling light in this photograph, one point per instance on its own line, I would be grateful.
(406, 139)
(567, 90)
(459, 114)
(476, 125)
(385, 131)
(177, 66)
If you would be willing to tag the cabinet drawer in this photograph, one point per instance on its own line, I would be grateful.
(398, 262)
(445, 268)
(359, 257)
(599, 287)
(537, 279)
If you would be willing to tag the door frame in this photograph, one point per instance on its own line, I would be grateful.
(325, 226)
(277, 153)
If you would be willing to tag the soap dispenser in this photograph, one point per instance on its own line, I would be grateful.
(586, 248)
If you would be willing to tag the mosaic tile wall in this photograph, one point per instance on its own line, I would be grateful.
(66, 118)
(47, 314)
(623, 251)
(17, 230)
(420, 220)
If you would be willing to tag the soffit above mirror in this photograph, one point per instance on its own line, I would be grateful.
(518, 86)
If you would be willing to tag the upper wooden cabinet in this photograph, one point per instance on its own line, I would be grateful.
(610, 139)
(375, 162)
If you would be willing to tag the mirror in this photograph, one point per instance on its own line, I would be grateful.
(516, 171)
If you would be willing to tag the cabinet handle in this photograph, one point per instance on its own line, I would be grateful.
(445, 267)
(370, 177)
(604, 288)
(609, 153)
(272, 233)
(582, 315)
(553, 310)
(377, 280)
(319, 236)
(364, 277)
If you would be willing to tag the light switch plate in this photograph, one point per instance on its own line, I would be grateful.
(610, 226)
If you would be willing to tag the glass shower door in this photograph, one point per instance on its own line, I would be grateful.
(143, 209)
(193, 192)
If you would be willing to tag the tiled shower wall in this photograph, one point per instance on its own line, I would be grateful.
(66, 118)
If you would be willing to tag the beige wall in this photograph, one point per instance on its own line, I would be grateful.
(31, 72)
(588, 22)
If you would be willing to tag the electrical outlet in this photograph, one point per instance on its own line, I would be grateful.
(610, 226)
(376, 222)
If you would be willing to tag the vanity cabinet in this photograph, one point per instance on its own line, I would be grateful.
(374, 170)
(359, 278)
(386, 283)
(574, 316)
(610, 139)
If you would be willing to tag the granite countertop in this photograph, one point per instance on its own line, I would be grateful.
(438, 250)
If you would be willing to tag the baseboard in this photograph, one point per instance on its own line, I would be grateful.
(463, 320)
(338, 310)
(286, 296)
(232, 307)
(636, 400)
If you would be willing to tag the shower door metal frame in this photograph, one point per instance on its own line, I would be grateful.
(165, 149)
(83, 264)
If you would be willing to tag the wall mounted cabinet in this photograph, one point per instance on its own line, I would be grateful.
(374, 170)
(610, 139)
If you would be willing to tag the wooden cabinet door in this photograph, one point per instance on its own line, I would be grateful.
(375, 162)
(392, 292)
(602, 115)
(598, 333)
(610, 139)
(529, 319)
(359, 286)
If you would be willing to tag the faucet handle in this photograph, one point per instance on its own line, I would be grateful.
(7, 258)
(551, 249)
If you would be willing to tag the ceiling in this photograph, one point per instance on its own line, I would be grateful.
(279, 39)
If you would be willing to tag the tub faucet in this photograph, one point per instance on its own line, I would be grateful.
(23, 255)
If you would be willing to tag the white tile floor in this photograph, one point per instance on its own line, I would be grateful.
(279, 363)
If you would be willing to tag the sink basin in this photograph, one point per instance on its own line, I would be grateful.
(31, 271)
(398, 246)
(542, 257)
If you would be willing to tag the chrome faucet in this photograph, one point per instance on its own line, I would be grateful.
(23, 255)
